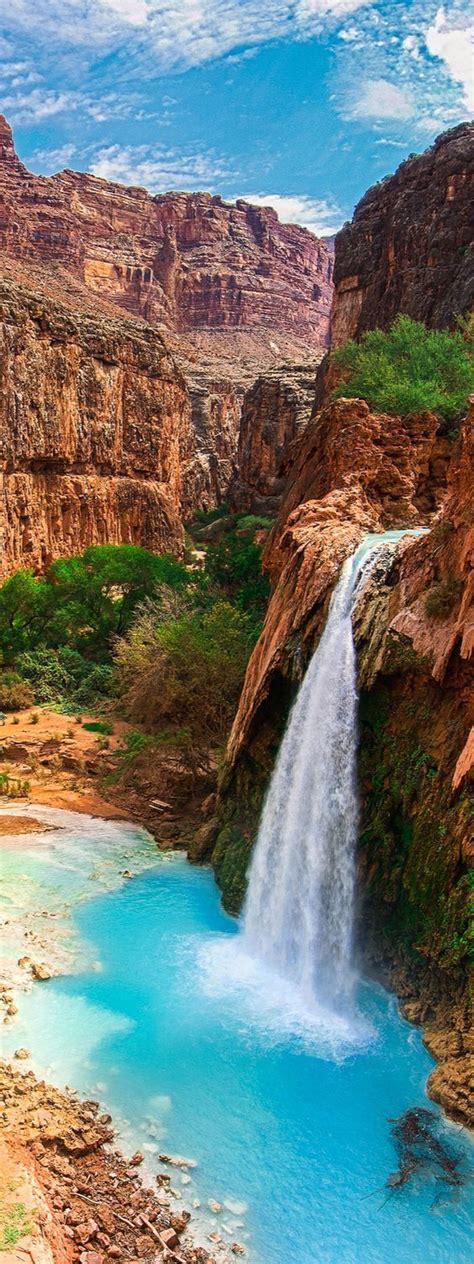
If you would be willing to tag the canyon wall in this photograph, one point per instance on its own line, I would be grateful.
(233, 291)
(95, 427)
(409, 245)
(275, 412)
(185, 260)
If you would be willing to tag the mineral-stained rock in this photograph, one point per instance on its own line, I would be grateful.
(94, 427)
(408, 247)
(452, 1085)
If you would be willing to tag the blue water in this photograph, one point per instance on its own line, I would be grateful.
(286, 1118)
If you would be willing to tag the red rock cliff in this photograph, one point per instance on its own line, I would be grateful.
(408, 247)
(233, 290)
(185, 260)
(94, 426)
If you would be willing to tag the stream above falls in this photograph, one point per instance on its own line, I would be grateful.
(162, 1016)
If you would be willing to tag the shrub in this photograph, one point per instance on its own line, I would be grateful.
(235, 564)
(183, 668)
(408, 368)
(65, 676)
(15, 693)
(98, 726)
(441, 598)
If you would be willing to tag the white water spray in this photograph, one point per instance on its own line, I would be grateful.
(299, 910)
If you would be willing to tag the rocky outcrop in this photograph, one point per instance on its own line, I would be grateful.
(90, 1204)
(409, 246)
(186, 261)
(275, 412)
(94, 426)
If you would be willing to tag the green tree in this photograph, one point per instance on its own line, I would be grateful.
(235, 564)
(26, 610)
(408, 368)
(82, 602)
(181, 667)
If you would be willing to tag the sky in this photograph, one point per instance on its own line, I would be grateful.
(297, 104)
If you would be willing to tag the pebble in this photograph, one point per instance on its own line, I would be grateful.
(213, 1206)
(40, 971)
(22, 1053)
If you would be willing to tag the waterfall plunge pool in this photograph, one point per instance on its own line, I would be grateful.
(197, 1052)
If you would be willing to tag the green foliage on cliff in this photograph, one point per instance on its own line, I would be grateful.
(408, 368)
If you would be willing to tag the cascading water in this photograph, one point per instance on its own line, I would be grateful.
(299, 909)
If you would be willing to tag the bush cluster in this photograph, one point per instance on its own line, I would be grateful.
(168, 643)
(409, 368)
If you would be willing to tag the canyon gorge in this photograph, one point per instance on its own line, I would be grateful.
(169, 378)
(230, 290)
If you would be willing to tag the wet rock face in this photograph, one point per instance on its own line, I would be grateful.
(409, 245)
(275, 413)
(184, 260)
(94, 429)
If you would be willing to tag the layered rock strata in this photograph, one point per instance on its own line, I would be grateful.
(186, 260)
(409, 246)
(275, 412)
(235, 292)
(95, 427)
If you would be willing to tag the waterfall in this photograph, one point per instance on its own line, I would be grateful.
(299, 910)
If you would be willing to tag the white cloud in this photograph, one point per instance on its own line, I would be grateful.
(452, 40)
(42, 103)
(378, 99)
(134, 12)
(395, 144)
(179, 33)
(321, 217)
(157, 168)
(47, 161)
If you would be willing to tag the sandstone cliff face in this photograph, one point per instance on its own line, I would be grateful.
(409, 245)
(185, 260)
(275, 412)
(94, 427)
